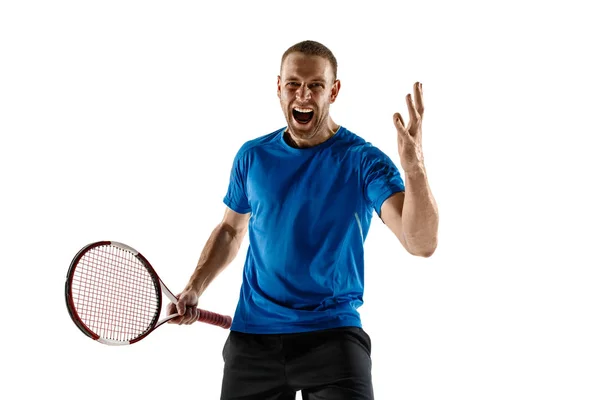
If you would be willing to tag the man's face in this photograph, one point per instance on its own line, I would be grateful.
(306, 88)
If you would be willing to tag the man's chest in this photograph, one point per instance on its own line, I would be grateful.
(321, 182)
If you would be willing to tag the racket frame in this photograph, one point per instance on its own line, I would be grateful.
(160, 288)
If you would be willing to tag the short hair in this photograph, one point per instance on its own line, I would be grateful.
(312, 48)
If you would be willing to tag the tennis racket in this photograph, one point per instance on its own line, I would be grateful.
(114, 296)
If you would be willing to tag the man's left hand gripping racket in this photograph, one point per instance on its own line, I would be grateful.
(115, 297)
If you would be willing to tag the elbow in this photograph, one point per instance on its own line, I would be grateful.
(424, 251)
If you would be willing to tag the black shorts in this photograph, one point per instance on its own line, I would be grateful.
(328, 364)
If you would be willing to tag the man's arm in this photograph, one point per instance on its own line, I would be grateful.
(413, 215)
(220, 250)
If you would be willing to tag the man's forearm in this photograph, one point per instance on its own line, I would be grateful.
(419, 214)
(220, 250)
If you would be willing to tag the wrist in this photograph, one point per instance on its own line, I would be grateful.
(417, 170)
(193, 288)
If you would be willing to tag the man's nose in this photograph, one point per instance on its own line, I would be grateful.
(303, 92)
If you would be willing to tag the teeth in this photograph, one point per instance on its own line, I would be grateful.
(302, 110)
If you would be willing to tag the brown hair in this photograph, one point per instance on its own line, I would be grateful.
(312, 48)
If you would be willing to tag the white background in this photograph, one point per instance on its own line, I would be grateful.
(120, 120)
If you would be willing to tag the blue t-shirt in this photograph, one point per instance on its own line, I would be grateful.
(311, 210)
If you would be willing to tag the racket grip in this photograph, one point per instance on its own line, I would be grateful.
(224, 321)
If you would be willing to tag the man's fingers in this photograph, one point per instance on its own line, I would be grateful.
(418, 89)
(185, 308)
(415, 112)
(180, 307)
(172, 309)
(194, 315)
(398, 119)
(399, 122)
(190, 315)
(412, 111)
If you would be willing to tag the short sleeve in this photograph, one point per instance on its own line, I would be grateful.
(236, 197)
(381, 177)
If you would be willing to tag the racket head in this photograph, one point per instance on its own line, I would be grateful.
(113, 294)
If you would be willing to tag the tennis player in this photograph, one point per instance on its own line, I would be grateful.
(306, 195)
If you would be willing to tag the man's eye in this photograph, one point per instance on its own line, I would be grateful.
(317, 85)
(293, 84)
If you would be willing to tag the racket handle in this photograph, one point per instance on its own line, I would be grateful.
(212, 318)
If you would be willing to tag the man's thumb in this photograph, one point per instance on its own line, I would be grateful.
(180, 307)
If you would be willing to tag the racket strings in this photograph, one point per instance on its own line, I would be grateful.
(114, 294)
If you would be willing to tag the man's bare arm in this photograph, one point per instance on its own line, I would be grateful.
(219, 251)
(413, 215)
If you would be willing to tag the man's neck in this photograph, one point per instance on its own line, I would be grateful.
(332, 129)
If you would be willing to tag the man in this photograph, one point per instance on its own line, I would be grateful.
(307, 193)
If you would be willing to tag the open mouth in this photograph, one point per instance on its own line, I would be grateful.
(303, 115)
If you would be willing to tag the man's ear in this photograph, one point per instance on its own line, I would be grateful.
(335, 90)
(279, 86)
